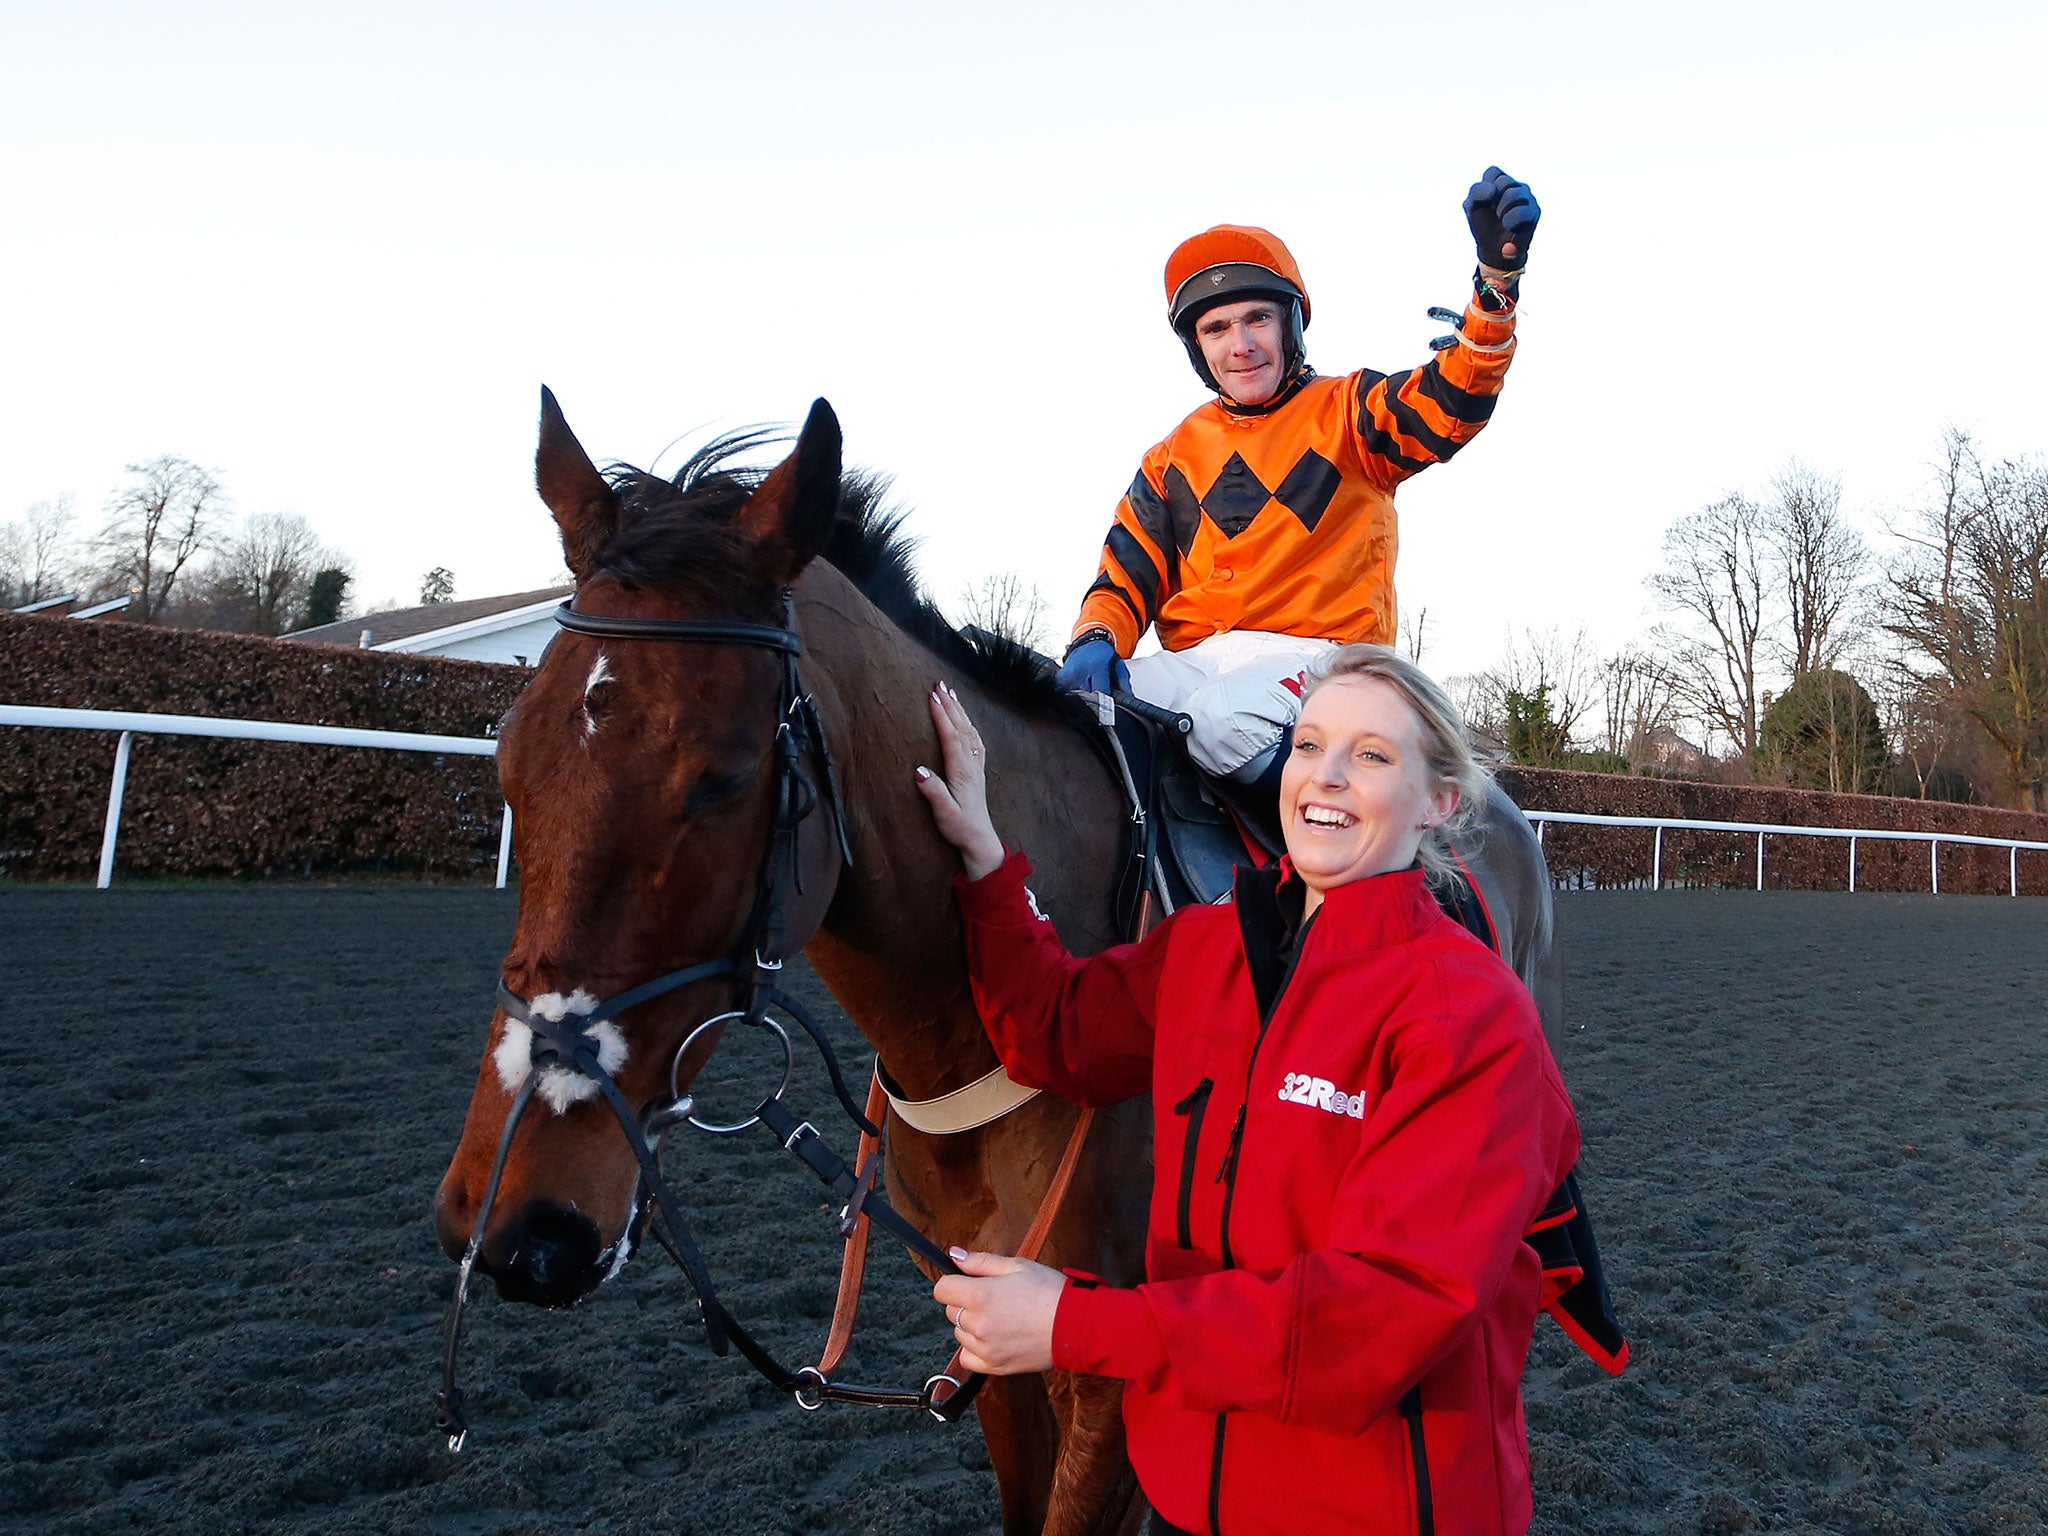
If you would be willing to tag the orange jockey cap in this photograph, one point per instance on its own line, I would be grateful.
(1228, 262)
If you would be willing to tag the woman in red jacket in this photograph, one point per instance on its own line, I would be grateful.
(1356, 1119)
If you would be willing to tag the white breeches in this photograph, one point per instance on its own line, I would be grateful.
(1242, 689)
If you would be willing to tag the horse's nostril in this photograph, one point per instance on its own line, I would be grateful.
(555, 1260)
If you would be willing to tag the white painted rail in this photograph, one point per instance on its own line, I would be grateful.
(1761, 830)
(133, 723)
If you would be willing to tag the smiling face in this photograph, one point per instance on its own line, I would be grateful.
(1358, 789)
(1245, 346)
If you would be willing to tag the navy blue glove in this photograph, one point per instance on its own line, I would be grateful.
(1503, 213)
(1093, 666)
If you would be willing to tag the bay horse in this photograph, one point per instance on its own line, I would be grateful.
(639, 778)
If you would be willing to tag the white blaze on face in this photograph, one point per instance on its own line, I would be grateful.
(558, 1085)
(600, 672)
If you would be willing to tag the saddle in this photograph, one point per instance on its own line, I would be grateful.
(1190, 834)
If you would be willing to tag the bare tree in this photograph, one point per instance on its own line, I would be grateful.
(259, 581)
(1414, 635)
(1563, 669)
(1716, 579)
(1971, 603)
(1535, 698)
(1639, 695)
(36, 552)
(1820, 565)
(155, 524)
(1003, 603)
(1477, 695)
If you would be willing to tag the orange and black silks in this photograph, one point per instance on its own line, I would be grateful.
(1284, 521)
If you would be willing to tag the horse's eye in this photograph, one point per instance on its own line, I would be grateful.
(710, 790)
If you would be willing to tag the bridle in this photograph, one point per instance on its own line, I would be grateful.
(568, 1044)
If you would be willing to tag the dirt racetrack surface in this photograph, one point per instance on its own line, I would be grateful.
(1816, 1149)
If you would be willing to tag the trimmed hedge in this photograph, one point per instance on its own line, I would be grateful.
(236, 808)
(211, 808)
(1611, 857)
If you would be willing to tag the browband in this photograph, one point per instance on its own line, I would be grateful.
(769, 637)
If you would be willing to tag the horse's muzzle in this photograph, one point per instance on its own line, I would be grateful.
(553, 1257)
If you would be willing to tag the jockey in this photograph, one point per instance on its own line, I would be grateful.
(1261, 533)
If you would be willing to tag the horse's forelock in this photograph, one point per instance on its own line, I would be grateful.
(677, 535)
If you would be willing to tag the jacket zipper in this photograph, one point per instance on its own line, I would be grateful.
(1227, 1177)
(1425, 1506)
(1194, 1106)
(1216, 1478)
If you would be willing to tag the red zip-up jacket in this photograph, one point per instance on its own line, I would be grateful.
(1354, 1126)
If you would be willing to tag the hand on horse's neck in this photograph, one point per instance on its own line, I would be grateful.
(890, 947)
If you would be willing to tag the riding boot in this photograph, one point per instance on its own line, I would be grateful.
(1258, 799)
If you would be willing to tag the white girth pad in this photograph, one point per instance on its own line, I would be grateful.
(559, 1086)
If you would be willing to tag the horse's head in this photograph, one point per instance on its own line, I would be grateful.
(641, 773)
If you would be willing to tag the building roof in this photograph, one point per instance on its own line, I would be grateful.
(69, 602)
(409, 623)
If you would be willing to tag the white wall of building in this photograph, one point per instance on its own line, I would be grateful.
(518, 645)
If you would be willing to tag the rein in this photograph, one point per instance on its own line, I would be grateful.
(566, 1044)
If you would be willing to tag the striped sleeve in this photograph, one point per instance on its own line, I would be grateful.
(1408, 421)
(1140, 566)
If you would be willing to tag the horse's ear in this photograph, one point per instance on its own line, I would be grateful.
(795, 507)
(586, 508)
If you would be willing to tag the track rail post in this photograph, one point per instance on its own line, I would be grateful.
(505, 845)
(1934, 862)
(2014, 855)
(1852, 864)
(114, 796)
(1657, 861)
(1759, 861)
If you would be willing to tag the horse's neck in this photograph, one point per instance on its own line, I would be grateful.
(890, 945)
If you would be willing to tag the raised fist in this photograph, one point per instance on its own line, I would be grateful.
(1503, 213)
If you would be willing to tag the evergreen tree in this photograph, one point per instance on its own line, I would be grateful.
(1823, 733)
(1534, 736)
(324, 599)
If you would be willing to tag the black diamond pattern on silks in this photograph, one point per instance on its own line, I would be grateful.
(1307, 490)
(1185, 509)
(1236, 498)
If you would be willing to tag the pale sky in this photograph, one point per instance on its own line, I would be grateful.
(334, 254)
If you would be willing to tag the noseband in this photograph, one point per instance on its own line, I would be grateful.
(567, 1044)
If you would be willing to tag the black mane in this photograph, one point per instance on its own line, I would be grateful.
(676, 535)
